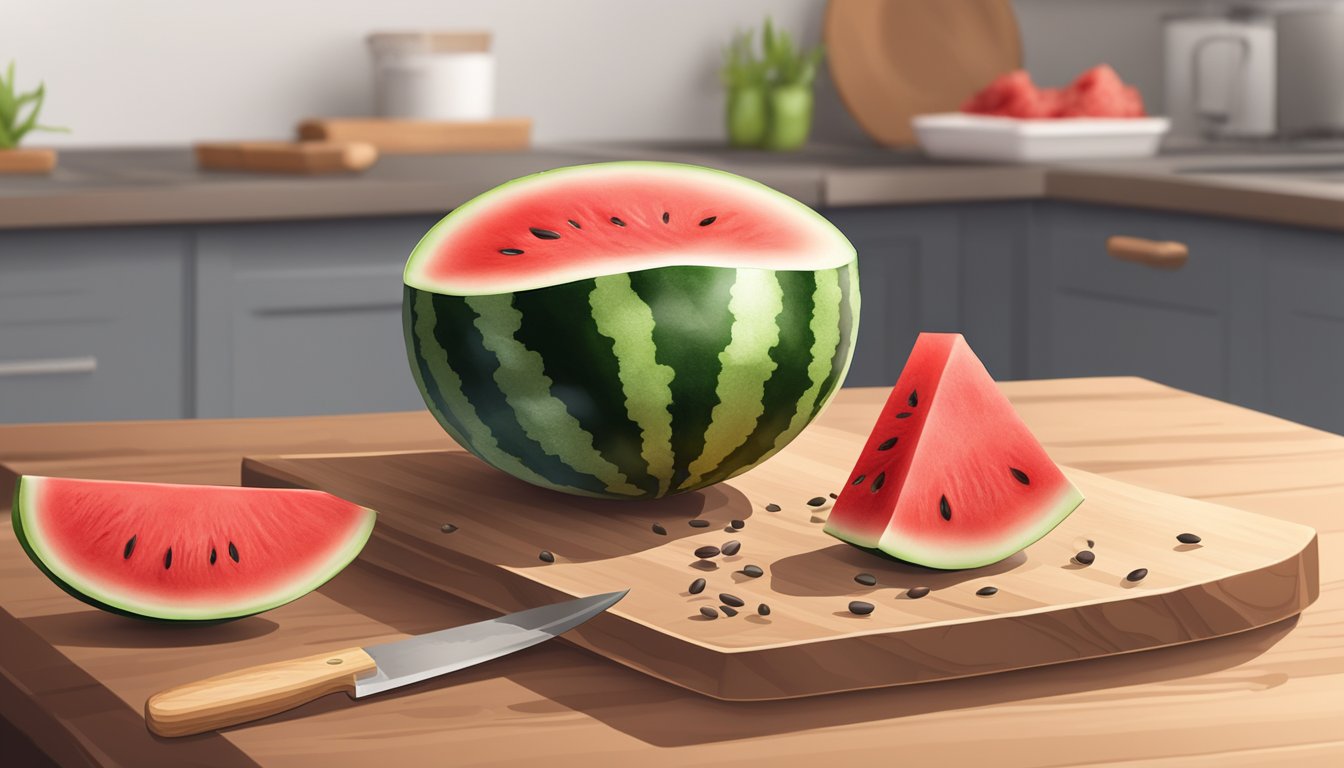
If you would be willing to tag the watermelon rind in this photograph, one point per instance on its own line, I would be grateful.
(27, 528)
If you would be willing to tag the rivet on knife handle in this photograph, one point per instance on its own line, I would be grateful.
(253, 693)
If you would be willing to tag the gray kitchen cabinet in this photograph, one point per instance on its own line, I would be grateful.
(302, 318)
(93, 324)
(1196, 327)
(945, 268)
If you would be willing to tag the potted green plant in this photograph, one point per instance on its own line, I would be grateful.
(744, 79)
(18, 118)
(791, 74)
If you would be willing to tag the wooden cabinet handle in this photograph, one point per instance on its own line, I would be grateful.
(1159, 254)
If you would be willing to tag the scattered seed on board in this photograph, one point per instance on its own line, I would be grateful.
(731, 548)
(708, 613)
(696, 587)
(816, 501)
(699, 523)
(1091, 543)
(772, 507)
(754, 571)
(546, 556)
(763, 609)
(738, 525)
(914, 593)
(732, 600)
(728, 610)
(1137, 574)
(860, 608)
(1085, 557)
(707, 551)
(987, 591)
(866, 579)
(834, 495)
(1188, 538)
(659, 529)
(448, 528)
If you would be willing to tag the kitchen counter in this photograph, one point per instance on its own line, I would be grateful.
(163, 186)
(75, 679)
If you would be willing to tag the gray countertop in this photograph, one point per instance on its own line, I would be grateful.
(163, 186)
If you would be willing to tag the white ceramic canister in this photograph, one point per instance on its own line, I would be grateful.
(433, 75)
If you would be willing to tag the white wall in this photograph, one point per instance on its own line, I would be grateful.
(125, 72)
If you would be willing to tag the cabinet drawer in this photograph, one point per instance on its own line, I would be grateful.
(1304, 341)
(91, 325)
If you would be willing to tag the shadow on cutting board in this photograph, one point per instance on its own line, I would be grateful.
(92, 628)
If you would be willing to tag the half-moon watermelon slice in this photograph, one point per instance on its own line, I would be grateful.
(950, 477)
(185, 552)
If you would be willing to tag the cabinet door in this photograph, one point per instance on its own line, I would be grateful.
(1304, 349)
(1095, 315)
(303, 318)
(92, 325)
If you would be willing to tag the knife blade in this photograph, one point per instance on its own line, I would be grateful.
(250, 694)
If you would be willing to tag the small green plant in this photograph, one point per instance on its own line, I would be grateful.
(13, 127)
(788, 66)
(770, 95)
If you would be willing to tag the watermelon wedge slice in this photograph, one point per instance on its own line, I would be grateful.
(185, 552)
(950, 477)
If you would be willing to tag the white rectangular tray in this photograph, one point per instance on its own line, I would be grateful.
(961, 136)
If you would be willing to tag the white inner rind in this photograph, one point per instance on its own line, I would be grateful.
(815, 243)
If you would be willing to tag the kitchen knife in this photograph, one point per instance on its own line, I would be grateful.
(250, 694)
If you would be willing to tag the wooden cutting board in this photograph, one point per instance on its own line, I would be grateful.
(398, 136)
(1248, 571)
(302, 157)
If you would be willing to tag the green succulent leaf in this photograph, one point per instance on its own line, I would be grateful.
(13, 126)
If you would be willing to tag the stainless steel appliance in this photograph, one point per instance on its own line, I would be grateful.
(1311, 70)
(1220, 75)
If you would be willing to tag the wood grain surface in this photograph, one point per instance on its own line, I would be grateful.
(1248, 571)
(75, 680)
(400, 136)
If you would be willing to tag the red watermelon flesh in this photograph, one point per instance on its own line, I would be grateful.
(185, 552)
(1098, 92)
(950, 476)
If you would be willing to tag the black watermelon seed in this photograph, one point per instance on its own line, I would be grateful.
(448, 528)
(728, 610)
(914, 593)
(754, 571)
(1085, 557)
(737, 525)
(866, 579)
(574, 224)
(212, 555)
(168, 558)
(886, 445)
(1138, 574)
(913, 400)
(1184, 538)
(544, 234)
(708, 613)
(944, 508)
(833, 495)
(878, 481)
(617, 222)
(233, 552)
(546, 557)
(666, 217)
(696, 587)
(860, 608)
(659, 529)
(732, 600)
(1020, 476)
(904, 415)
(706, 552)
(697, 523)
(511, 251)
(858, 480)
(731, 548)
(987, 591)
(1091, 543)
(763, 609)
(708, 221)
(130, 547)
(772, 507)
(816, 501)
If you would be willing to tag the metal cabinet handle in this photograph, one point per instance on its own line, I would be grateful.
(10, 368)
(1159, 254)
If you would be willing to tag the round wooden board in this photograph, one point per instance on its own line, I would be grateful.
(893, 59)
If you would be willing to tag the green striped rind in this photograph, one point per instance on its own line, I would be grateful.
(639, 385)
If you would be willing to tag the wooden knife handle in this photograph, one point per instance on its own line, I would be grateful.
(1161, 254)
(250, 694)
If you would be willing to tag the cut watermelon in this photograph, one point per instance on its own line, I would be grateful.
(950, 476)
(630, 330)
(185, 552)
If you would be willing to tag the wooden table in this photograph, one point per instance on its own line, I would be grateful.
(74, 680)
